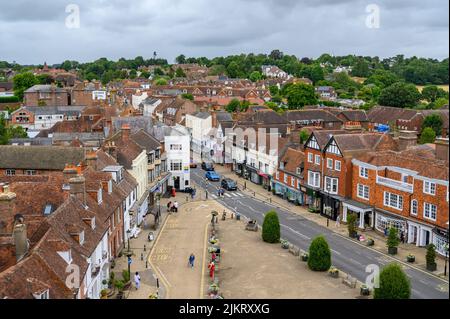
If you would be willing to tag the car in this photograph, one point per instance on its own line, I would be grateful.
(212, 176)
(188, 190)
(229, 184)
(207, 166)
(193, 165)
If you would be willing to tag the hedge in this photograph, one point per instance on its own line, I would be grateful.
(9, 99)
(319, 255)
(394, 284)
(271, 228)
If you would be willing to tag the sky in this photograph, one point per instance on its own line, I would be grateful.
(32, 32)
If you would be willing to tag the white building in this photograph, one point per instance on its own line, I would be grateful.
(177, 147)
(199, 125)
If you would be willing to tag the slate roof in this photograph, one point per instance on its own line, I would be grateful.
(39, 157)
(310, 114)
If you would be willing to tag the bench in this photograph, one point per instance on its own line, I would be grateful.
(349, 281)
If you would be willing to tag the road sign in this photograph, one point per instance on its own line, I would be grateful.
(129, 261)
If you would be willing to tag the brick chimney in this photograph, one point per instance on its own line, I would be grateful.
(91, 159)
(7, 208)
(214, 119)
(69, 172)
(407, 139)
(20, 237)
(126, 132)
(442, 149)
(78, 186)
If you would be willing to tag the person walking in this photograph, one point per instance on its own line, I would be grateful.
(338, 220)
(175, 207)
(169, 206)
(191, 260)
(137, 280)
(402, 237)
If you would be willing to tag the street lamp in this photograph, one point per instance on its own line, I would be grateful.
(446, 251)
(128, 238)
(327, 190)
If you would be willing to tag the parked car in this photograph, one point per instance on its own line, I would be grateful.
(188, 190)
(207, 166)
(229, 184)
(212, 176)
(193, 165)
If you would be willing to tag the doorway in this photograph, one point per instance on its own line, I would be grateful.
(176, 182)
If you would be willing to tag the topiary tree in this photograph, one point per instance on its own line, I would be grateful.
(271, 228)
(428, 135)
(393, 284)
(431, 257)
(319, 255)
(392, 241)
(351, 225)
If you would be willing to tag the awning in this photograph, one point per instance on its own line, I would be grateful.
(356, 206)
(263, 175)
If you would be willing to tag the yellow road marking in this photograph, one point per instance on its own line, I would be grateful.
(202, 281)
(166, 284)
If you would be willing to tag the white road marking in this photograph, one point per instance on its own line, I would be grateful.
(214, 196)
(234, 194)
(295, 232)
(336, 252)
(240, 194)
(227, 195)
(162, 274)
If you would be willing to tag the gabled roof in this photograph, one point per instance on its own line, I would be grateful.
(39, 157)
(310, 115)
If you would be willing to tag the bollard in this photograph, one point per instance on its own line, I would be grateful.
(146, 264)
(145, 248)
(142, 256)
(328, 221)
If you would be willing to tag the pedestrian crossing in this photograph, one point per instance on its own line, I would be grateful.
(230, 195)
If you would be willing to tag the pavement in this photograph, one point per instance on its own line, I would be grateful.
(252, 269)
(299, 227)
(140, 256)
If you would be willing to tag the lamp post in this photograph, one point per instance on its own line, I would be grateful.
(446, 251)
(327, 190)
(128, 239)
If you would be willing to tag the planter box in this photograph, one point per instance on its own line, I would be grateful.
(304, 257)
(392, 250)
(365, 291)
(370, 242)
(334, 274)
(432, 267)
(410, 259)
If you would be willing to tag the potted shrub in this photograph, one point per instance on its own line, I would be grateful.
(334, 272)
(319, 255)
(370, 242)
(104, 294)
(284, 244)
(410, 258)
(393, 284)
(351, 225)
(304, 256)
(214, 288)
(431, 258)
(364, 290)
(271, 228)
(392, 241)
(120, 285)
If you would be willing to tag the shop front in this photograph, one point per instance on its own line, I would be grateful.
(278, 189)
(440, 240)
(253, 175)
(365, 217)
(330, 205)
(385, 220)
(313, 198)
(265, 179)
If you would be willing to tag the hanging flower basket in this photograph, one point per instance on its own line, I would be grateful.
(304, 257)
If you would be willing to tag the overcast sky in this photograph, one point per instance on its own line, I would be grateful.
(32, 32)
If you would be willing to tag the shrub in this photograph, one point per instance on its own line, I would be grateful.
(271, 228)
(392, 240)
(119, 284)
(9, 99)
(351, 224)
(319, 255)
(126, 275)
(394, 284)
(431, 254)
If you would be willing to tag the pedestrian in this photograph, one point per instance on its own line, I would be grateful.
(212, 268)
(402, 237)
(338, 220)
(137, 280)
(175, 206)
(385, 231)
(191, 260)
(169, 206)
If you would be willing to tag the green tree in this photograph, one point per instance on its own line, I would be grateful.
(431, 93)
(299, 95)
(187, 96)
(351, 224)
(427, 136)
(361, 68)
(160, 81)
(179, 73)
(255, 76)
(44, 79)
(382, 78)
(431, 255)
(400, 94)
(319, 255)
(271, 228)
(181, 59)
(233, 70)
(273, 89)
(233, 106)
(435, 122)
(145, 74)
(276, 55)
(393, 283)
(22, 82)
(392, 240)
(9, 132)
(304, 135)
(158, 72)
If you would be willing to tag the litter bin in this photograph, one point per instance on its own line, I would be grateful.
(238, 216)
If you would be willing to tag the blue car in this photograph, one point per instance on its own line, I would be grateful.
(212, 176)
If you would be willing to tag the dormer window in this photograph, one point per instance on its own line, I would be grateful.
(66, 255)
(43, 295)
(100, 196)
(81, 238)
